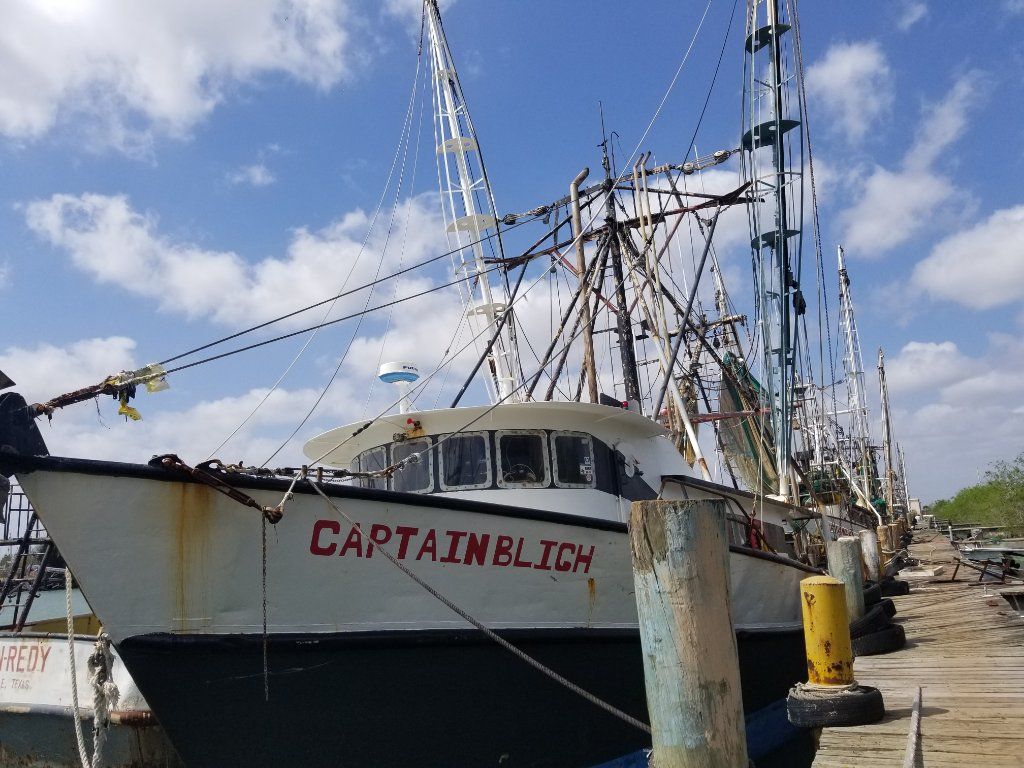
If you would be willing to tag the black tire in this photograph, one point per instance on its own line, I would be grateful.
(888, 607)
(895, 589)
(873, 620)
(890, 639)
(808, 708)
(872, 595)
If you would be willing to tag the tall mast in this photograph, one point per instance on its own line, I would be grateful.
(856, 396)
(624, 324)
(903, 477)
(773, 224)
(468, 205)
(890, 479)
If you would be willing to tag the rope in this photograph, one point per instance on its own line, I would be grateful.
(263, 595)
(491, 634)
(104, 692)
(83, 753)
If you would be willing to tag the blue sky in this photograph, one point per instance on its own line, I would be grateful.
(177, 172)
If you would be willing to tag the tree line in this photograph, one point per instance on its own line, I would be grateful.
(998, 500)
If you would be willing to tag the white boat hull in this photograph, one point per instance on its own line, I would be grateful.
(174, 570)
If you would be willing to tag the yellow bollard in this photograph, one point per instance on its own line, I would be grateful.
(830, 697)
(826, 631)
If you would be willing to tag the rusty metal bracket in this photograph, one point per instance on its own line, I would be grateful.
(171, 461)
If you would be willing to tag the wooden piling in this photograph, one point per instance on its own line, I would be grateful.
(870, 554)
(691, 665)
(884, 539)
(895, 534)
(844, 564)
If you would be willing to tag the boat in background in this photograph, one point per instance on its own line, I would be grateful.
(37, 728)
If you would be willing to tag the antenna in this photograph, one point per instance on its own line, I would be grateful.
(401, 375)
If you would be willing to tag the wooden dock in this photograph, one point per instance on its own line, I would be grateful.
(965, 650)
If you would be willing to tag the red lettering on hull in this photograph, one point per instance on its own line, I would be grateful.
(459, 548)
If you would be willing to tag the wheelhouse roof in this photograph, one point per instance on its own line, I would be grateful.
(339, 446)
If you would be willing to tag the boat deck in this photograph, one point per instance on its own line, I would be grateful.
(965, 650)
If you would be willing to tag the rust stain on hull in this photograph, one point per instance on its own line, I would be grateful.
(591, 599)
(193, 510)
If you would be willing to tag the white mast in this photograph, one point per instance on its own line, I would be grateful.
(468, 204)
(775, 223)
(856, 395)
(890, 479)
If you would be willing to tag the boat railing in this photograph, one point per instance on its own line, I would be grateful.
(29, 561)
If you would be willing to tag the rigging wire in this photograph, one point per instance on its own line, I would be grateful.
(407, 136)
(401, 255)
(335, 321)
(403, 137)
(343, 294)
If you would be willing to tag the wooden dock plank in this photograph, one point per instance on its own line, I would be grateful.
(965, 650)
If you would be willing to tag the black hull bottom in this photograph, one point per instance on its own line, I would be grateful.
(416, 698)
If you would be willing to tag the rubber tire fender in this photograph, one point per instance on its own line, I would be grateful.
(873, 620)
(872, 595)
(825, 709)
(888, 607)
(895, 589)
(890, 639)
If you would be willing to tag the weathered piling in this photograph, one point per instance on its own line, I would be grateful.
(844, 564)
(885, 540)
(691, 664)
(870, 554)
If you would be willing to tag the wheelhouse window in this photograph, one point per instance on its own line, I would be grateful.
(465, 461)
(373, 460)
(574, 459)
(522, 459)
(417, 476)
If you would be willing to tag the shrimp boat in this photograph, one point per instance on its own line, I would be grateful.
(304, 616)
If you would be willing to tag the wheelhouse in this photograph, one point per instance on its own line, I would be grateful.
(492, 459)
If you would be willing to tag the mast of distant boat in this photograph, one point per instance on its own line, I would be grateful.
(853, 363)
(890, 479)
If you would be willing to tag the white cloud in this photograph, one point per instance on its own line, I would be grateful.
(853, 83)
(980, 267)
(46, 370)
(129, 69)
(926, 365)
(115, 244)
(894, 205)
(913, 12)
(411, 11)
(256, 175)
(42, 370)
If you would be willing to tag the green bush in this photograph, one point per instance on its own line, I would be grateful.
(997, 501)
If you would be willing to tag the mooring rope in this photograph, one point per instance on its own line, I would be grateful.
(104, 691)
(491, 634)
(83, 753)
